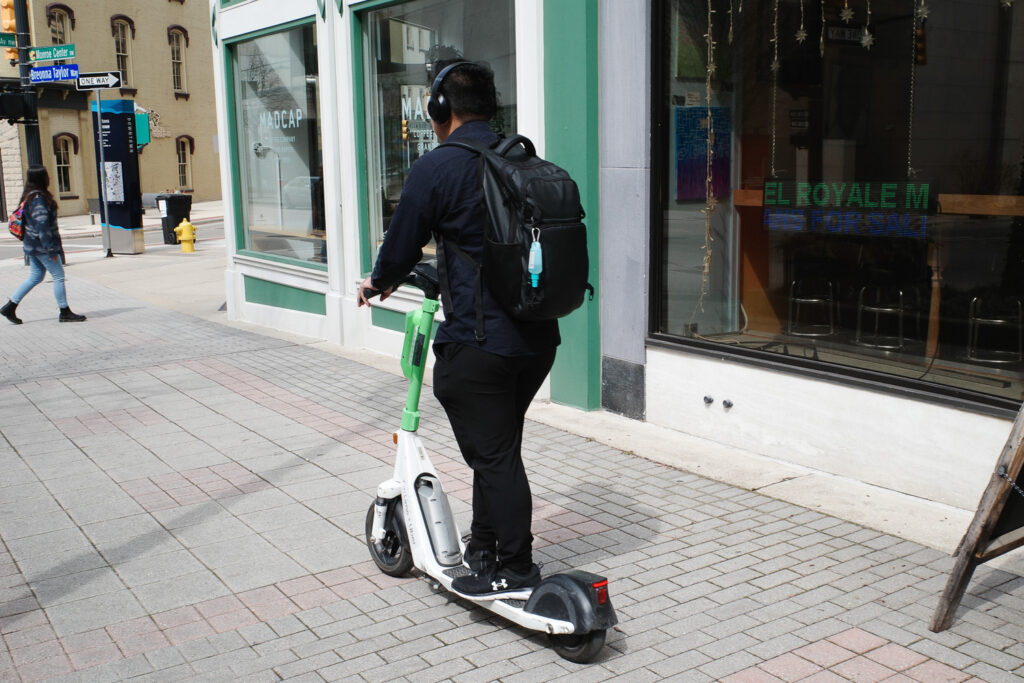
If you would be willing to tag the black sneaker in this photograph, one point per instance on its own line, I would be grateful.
(501, 584)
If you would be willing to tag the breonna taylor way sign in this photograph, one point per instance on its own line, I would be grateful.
(61, 72)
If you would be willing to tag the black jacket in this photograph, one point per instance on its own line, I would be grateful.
(443, 195)
(42, 238)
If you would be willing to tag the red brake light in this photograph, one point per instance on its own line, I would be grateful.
(602, 591)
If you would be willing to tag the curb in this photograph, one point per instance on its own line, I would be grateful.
(98, 232)
(95, 231)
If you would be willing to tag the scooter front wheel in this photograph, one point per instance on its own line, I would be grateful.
(391, 554)
(578, 647)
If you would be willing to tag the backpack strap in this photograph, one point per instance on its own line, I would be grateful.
(505, 144)
(479, 148)
(501, 147)
(474, 146)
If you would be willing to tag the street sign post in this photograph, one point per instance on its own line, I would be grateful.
(8, 40)
(59, 72)
(48, 53)
(99, 80)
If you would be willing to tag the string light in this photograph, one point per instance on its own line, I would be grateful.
(801, 33)
(775, 80)
(846, 14)
(920, 13)
(821, 40)
(710, 201)
(730, 21)
(867, 40)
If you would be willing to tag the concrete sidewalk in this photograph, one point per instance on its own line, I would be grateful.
(184, 499)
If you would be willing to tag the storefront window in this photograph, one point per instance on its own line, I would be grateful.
(401, 45)
(843, 183)
(276, 86)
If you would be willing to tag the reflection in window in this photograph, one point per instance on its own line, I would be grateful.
(860, 218)
(277, 94)
(401, 45)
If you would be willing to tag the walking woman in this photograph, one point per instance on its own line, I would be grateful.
(43, 249)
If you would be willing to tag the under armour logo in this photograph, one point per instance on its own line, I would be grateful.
(497, 585)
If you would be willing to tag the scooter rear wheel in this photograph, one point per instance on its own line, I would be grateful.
(578, 647)
(391, 554)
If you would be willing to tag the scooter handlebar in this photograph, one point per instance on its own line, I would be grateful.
(424, 277)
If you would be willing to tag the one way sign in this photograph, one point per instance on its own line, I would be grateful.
(99, 80)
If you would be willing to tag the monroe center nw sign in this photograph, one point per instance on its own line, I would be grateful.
(879, 209)
(50, 53)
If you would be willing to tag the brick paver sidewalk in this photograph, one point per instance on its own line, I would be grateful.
(182, 500)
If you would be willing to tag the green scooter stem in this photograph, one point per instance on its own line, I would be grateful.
(418, 326)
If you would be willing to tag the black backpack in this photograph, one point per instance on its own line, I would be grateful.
(532, 206)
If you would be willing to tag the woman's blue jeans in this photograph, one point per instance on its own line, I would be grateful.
(39, 265)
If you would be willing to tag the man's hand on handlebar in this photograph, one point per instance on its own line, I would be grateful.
(366, 291)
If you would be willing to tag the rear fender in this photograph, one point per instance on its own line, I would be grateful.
(572, 597)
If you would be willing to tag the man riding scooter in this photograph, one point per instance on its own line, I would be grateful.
(484, 382)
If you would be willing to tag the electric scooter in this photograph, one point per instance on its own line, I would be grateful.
(410, 524)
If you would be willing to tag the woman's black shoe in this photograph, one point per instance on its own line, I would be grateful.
(69, 316)
(8, 312)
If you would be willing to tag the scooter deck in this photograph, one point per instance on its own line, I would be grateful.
(456, 572)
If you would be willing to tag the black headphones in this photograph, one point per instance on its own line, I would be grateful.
(438, 107)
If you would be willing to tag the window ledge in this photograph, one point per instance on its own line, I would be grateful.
(180, 95)
(129, 91)
(68, 196)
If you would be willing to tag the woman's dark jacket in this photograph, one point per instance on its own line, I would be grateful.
(42, 238)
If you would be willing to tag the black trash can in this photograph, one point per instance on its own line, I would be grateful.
(174, 208)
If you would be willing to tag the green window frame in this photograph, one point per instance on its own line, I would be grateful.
(230, 99)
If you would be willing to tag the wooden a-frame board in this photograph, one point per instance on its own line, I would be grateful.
(997, 527)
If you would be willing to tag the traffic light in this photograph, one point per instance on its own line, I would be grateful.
(12, 106)
(405, 125)
(920, 46)
(9, 25)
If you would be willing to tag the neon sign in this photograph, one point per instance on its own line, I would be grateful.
(884, 209)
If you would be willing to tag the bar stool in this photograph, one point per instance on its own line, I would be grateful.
(881, 301)
(1008, 316)
(817, 294)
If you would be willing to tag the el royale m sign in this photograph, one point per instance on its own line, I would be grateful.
(878, 209)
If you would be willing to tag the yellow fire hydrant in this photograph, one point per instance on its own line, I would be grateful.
(186, 233)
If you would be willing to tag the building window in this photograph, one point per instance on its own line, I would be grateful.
(65, 146)
(178, 39)
(123, 30)
(55, 8)
(826, 209)
(185, 148)
(60, 27)
(402, 45)
(279, 145)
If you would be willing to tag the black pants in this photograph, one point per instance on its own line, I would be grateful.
(486, 397)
